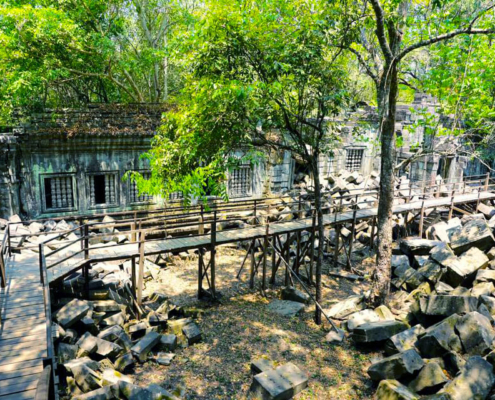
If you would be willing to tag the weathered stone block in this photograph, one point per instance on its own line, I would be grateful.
(270, 385)
(446, 305)
(474, 382)
(440, 338)
(362, 317)
(397, 366)
(192, 333)
(164, 358)
(124, 361)
(145, 345)
(429, 380)
(405, 340)
(476, 333)
(112, 377)
(417, 246)
(346, 307)
(286, 308)
(391, 389)
(297, 378)
(292, 294)
(71, 313)
(377, 331)
(261, 365)
(168, 342)
(476, 233)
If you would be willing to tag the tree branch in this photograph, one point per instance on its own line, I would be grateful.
(380, 30)
(440, 38)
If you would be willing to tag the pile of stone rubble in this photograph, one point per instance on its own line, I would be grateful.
(99, 341)
(438, 334)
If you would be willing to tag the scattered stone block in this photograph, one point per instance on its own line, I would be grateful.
(399, 261)
(86, 378)
(431, 271)
(429, 380)
(114, 319)
(124, 361)
(476, 233)
(286, 308)
(108, 349)
(484, 288)
(440, 338)
(192, 333)
(261, 365)
(361, 317)
(418, 246)
(346, 307)
(112, 333)
(297, 378)
(105, 306)
(384, 313)
(397, 366)
(271, 385)
(292, 294)
(476, 333)
(66, 352)
(164, 358)
(71, 365)
(112, 377)
(87, 344)
(405, 340)
(335, 336)
(71, 313)
(168, 342)
(485, 275)
(377, 331)
(104, 393)
(145, 345)
(474, 382)
(176, 326)
(444, 306)
(391, 389)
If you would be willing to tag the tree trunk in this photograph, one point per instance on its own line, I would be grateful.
(321, 235)
(381, 276)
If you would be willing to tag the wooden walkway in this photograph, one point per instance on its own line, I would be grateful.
(23, 341)
(23, 328)
(178, 244)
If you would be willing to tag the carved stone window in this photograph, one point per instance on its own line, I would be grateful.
(176, 196)
(240, 182)
(134, 192)
(58, 192)
(102, 189)
(354, 159)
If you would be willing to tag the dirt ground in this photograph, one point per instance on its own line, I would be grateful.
(241, 329)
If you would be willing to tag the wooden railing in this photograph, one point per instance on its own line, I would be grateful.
(46, 384)
(199, 220)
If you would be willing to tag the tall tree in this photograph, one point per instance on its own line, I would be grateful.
(382, 35)
(262, 75)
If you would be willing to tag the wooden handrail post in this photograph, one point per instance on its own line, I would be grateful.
(133, 281)
(8, 240)
(487, 181)
(86, 242)
(213, 252)
(2, 267)
(200, 272)
(265, 257)
(421, 219)
(354, 216)
(42, 260)
(299, 207)
(142, 238)
(451, 211)
(201, 229)
(255, 213)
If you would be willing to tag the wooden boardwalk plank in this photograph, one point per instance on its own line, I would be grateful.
(27, 395)
(21, 372)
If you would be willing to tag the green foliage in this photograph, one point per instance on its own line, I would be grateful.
(259, 74)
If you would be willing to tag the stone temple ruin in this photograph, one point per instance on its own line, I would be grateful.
(74, 279)
(71, 162)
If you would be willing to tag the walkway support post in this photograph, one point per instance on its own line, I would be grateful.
(265, 257)
(451, 210)
(213, 252)
(200, 272)
(487, 182)
(142, 238)
(312, 250)
(133, 280)
(86, 242)
(421, 219)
